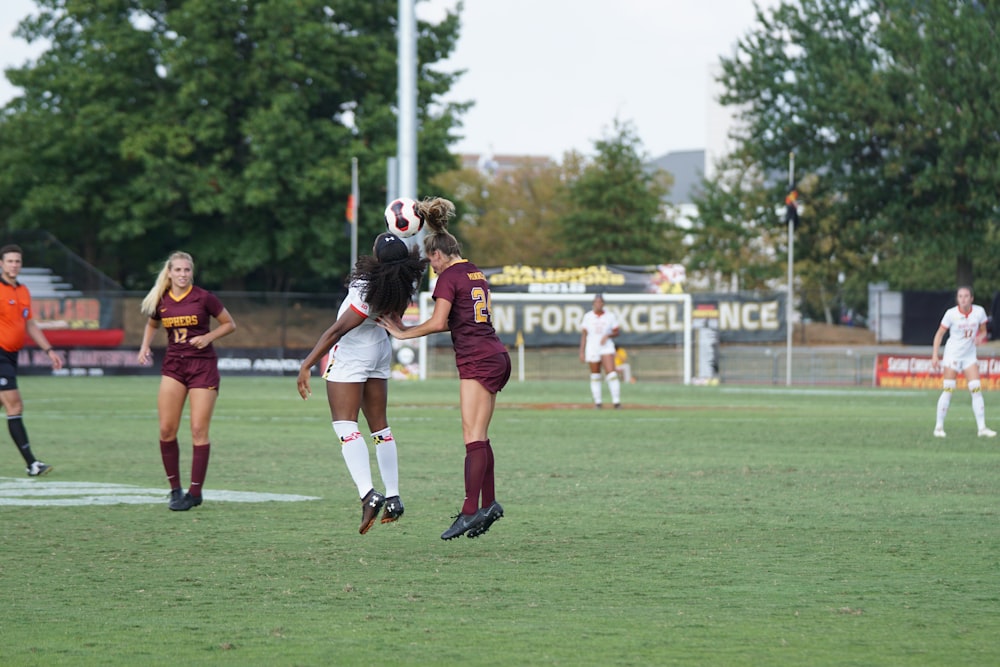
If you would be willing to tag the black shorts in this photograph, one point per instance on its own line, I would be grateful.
(8, 370)
(491, 372)
(193, 372)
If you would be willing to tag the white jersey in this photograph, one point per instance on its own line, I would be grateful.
(364, 351)
(962, 330)
(597, 327)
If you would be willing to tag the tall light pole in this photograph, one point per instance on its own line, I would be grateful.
(406, 124)
(791, 275)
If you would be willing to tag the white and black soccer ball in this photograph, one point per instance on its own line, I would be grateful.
(403, 217)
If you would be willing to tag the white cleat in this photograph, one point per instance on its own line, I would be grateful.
(987, 433)
(939, 433)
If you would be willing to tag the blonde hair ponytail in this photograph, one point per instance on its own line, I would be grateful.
(162, 284)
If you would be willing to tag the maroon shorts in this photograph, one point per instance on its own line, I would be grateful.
(193, 372)
(491, 372)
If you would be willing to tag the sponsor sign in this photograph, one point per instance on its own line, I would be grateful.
(125, 361)
(738, 319)
(662, 278)
(915, 372)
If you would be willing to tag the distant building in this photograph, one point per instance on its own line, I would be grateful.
(499, 164)
(687, 168)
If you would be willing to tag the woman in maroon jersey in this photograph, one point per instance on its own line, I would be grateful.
(190, 368)
(462, 306)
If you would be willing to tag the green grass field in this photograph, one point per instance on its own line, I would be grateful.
(697, 526)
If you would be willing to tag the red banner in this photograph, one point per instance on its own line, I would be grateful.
(915, 372)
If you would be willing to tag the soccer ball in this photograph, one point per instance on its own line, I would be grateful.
(403, 217)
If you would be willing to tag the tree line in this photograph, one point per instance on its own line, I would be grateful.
(227, 129)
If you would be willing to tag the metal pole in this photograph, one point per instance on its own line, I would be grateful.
(406, 127)
(791, 276)
(354, 212)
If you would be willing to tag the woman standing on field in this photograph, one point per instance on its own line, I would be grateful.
(965, 325)
(190, 368)
(462, 306)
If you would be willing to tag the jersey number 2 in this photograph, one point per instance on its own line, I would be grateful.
(481, 304)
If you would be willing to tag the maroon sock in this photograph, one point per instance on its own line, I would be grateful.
(199, 467)
(171, 455)
(489, 491)
(476, 458)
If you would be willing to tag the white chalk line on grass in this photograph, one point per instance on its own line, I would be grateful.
(53, 493)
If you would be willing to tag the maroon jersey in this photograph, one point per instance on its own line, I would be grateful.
(187, 317)
(470, 319)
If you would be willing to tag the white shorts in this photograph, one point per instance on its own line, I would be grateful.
(959, 364)
(352, 363)
(592, 354)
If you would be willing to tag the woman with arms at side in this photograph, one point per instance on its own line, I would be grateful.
(965, 324)
(190, 368)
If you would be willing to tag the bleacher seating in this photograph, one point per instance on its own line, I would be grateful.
(43, 283)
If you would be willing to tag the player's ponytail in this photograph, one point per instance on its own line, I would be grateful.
(437, 213)
(162, 284)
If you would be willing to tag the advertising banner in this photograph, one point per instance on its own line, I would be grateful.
(604, 278)
(737, 318)
(915, 372)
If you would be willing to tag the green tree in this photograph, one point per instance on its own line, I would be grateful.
(733, 238)
(511, 216)
(616, 209)
(890, 106)
(225, 128)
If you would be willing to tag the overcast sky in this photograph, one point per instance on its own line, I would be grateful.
(549, 76)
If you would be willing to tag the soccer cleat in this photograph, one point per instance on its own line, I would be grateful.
(37, 469)
(184, 503)
(175, 497)
(370, 506)
(618, 406)
(939, 433)
(485, 518)
(597, 406)
(462, 523)
(987, 433)
(393, 509)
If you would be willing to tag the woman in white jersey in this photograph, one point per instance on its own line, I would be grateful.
(358, 369)
(597, 349)
(966, 328)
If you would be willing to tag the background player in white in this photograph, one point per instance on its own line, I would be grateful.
(358, 369)
(966, 328)
(597, 329)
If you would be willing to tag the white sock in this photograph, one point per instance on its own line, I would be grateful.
(388, 466)
(943, 402)
(595, 387)
(355, 452)
(978, 404)
(615, 386)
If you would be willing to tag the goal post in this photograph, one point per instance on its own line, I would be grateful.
(540, 320)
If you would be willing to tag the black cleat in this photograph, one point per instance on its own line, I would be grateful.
(462, 523)
(37, 469)
(393, 509)
(370, 505)
(184, 503)
(485, 518)
(175, 497)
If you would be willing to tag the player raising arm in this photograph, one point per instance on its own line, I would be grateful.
(462, 306)
(358, 368)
